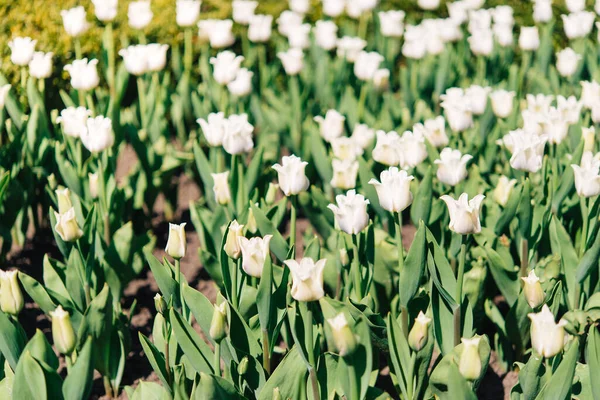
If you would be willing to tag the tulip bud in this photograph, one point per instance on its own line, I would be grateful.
(344, 259)
(11, 297)
(469, 364)
(232, 245)
(503, 190)
(93, 184)
(589, 138)
(547, 336)
(251, 221)
(307, 279)
(160, 304)
(218, 322)
(63, 199)
(221, 188)
(74, 21)
(66, 226)
(243, 366)
(52, 183)
(276, 394)
(176, 244)
(271, 193)
(62, 331)
(533, 290)
(254, 253)
(343, 337)
(417, 338)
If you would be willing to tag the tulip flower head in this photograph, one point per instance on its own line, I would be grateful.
(587, 175)
(226, 66)
(502, 102)
(105, 10)
(477, 97)
(362, 135)
(419, 334)
(332, 126)
(237, 138)
(345, 173)
(343, 337)
(242, 84)
(254, 253)
(73, 120)
(93, 184)
(259, 28)
(503, 190)
(213, 128)
(135, 58)
(412, 149)
(567, 61)
(590, 93)
(292, 61)
(291, 176)
(21, 50)
(529, 38)
(187, 12)
(11, 297)
(434, 130)
(452, 166)
(325, 33)
(74, 21)
(394, 189)
(469, 363)
(534, 294)
(547, 336)
(307, 279)
(157, 56)
(219, 32)
(84, 74)
(139, 14)
(221, 187)
(67, 227)
(98, 135)
(391, 23)
(351, 212)
(346, 148)
(176, 243)
(367, 64)
(578, 24)
(232, 245)
(243, 11)
(464, 213)
(298, 36)
(63, 198)
(40, 66)
(588, 135)
(63, 334)
(387, 148)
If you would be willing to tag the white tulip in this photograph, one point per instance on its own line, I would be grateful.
(587, 175)
(457, 10)
(349, 47)
(458, 112)
(84, 75)
(356, 8)
(362, 135)
(529, 38)
(11, 296)
(547, 336)
(503, 35)
(534, 294)
(381, 79)
(4, 89)
(464, 213)
(434, 131)
(40, 66)
(333, 8)
(567, 61)
(575, 5)
(73, 120)
(307, 279)
(325, 33)
(237, 137)
(213, 128)
(176, 243)
(21, 50)
(452, 166)
(300, 6)
(597, 7)
(344, 173)
(105, 10)
(74, 21)
(98, 135)
(588, 135)
(448, 30)
(226, 66)
(590, 93)
(139, 14)
(429, 4)
(503, 190)
(93, 184)
(345, 148)
(540, 103)
(351, 212)
(527, 151)
(259, 28)
(502, 102)
(288, 19)
(135, 58)
(479, 20)
(570, 108)
(243, 11)
(232, 243)
(366, 64)
(292, 60)
(477, 96)
(220, 34)
(579, 24)
(291, 176)
(469, 363)
(481, 42)
(414, 48)
(221, 188)
(391, 23)
(254, 254)
(387, 148)
(298, 36)
(343, 336)
(394, 189)
(413, 150)
(242, 84)
(503, 15)
(542, 10)
(596, 112)
(157, 56)
(332, 126)
(66, 226)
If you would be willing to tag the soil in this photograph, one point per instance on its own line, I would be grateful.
(29, 259)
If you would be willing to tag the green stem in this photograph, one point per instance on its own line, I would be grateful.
(266, 352)
(188, 50)
(361, 101)
(356, 267)
(111, 62)
(404, 316)
(296, 127)
(262, 67)
(167, 366)
(399, 242)
(217, 359)
(234, 283)
(87, 275)
(81, 96)
(524, 256)
(354, 379)
(78, 53)
(24, 78)
(586, 220)
(411, 372)
(293, 217)
(142, 98)
(459, 290)
(307, 320)
(108, 387)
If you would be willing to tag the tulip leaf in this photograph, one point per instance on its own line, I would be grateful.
(560, 242)
(30, 380)
(253, 170)
(567, 180)
(37, 292)
(164, 279)
(525, 211)
(509, 211)
(289, 378)
(414, 266)
(12, 340)
(588, 261)
(399, 353)
(215, 387)
(156, 360)
(279, 246)
(421, 206)
(592, 357)
(366, 174)
(559, 387)
(40, 349)
(196, 350)
(506, 280)
(319, 156)
(264, 295)
(78, 384)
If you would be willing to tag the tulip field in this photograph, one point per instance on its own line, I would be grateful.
(303, 199)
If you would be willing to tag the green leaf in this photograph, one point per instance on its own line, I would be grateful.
(525, 211)
(279, 246)
(12, 341)
(560, 242)
(37, 292)
(588, 261)
(201, 308)
(40, 349)
(264, 294)
(421, 206)
(592, 358)
(195, 349)
(559, 387)
(509, 211)
(414, 266)
(506, 280)
(212, 387)
(164, 279)
(30, 380)
(78, 384)
(156, 360)
(150, 391)
(289, 378)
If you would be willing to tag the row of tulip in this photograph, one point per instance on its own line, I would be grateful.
(502, 190)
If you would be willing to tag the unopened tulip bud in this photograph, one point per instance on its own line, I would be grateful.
(221, 188)
(271, 193)
(251, 222)
(218, 323)
(160, 304)
(503, 190)
(343, 337)
(547, 336)
(344, 259)
(533, 290)
(232, 245)
(66, 226)
(63, 198)
(469, 364)
(417, 338)
(176, 244)
(243, 366)
(276, 394)
(52, 183)
(62, 331)
(93, 184)
(11, 297)
(589, 138)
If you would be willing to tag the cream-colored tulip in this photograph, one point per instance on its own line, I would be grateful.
(547, 336)
(343, 337)
(534, 294)
(394, 189)
(351, 212)
(419, 334)
(176, 244)
(63, 198)
(63, 334)
(588, 135)
(503, 190)
(66, 226)
(232, 244)
(307, 279)
(218, 323)
(587, 175)
(345, 173)
(464, 213)
(291, 175)
(452, 166)
(469, 363)
(221, 187)
(11, 297)
(254, 253)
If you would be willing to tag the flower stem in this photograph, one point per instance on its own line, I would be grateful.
(361, 101)
(234, 283)
(78, 53)
(307, 320)
(524, 257)
(111, 62)
(293, 212)
(87, 273)
(108, 387)
(354, 379)
(142, 98)
(188, 50)
(217, 359)
(356, 269)
(459, 290)
(266, 352)
(586, 220)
